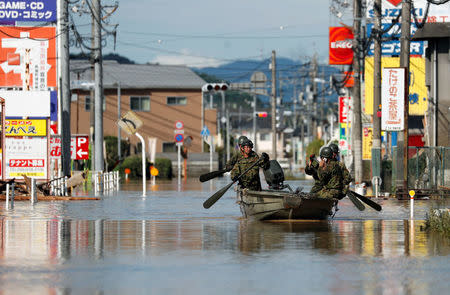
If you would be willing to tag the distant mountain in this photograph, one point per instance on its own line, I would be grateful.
(293, 76)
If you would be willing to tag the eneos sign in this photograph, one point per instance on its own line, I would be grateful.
(340, 46)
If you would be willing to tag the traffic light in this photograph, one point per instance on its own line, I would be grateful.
(215, 87)
(261, 114)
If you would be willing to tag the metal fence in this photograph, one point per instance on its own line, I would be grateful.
(429, 167)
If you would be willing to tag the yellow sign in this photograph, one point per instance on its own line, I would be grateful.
(367, 143)
(25, 127)
(130, 122)
(29, 174)
(417, 90)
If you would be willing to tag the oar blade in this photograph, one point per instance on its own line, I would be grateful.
(366, 200)
(214, 198)
(211, 175)
(356, 202)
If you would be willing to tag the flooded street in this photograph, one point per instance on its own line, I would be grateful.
(167, 243)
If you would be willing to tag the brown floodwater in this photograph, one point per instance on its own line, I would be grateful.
(166, 243)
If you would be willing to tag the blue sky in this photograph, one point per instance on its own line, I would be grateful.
(204, 33)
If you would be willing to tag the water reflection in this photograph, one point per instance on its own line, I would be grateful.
(61, 256)
(57, 241)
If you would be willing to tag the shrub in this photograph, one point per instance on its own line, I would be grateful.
(314, 147)
(112, 158)
(134, 163)
(438, 221)
(164, 167)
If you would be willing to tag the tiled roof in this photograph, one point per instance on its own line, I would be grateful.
(138, 76)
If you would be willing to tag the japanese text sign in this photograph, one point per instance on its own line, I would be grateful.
(393, 99)
(26, 127)
(28, 10)
(28, 57)
(79, 147)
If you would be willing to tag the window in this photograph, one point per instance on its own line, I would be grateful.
(140, 103)
(87, 103)
(169, 147)
(265, 137)
(176, 100)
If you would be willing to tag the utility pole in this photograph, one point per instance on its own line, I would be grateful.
(65, 90)
(119, 113)
(274, 106)
(92, 97)
(376, 147)
(402, 140)
(98, 68)
(356, 124)
(314, 96)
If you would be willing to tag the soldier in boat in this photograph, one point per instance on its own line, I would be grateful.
(243, 160)
(311, 169)
(330, 175)
(346, 177)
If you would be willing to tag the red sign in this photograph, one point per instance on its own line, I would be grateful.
(28, 57)
(179, 125)
(26, 162)
(344, 108)
(79, 147)
(340, 46)
(395, 2)
(179, 138)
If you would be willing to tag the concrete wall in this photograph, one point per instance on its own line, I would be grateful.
(197, 163)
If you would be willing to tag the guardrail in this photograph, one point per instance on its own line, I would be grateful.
(105, 181)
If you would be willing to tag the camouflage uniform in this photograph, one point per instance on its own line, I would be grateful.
(331, 178)
(230, 163)
(346, 179)
(312, 170)
(250, 179)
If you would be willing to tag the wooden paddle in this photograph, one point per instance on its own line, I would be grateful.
(366, 200)
(355, 201)
(214, 198)
(211, 175)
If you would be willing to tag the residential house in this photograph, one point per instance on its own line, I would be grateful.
(159, 94)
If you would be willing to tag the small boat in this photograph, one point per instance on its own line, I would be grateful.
(278, 203)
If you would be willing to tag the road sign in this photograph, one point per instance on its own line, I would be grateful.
(179, 124)
(79, 147)
(205, 131)
(179, 138)
(130, 123)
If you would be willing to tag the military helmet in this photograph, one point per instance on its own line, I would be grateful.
(334, 148)
(326, 152)
(244, 141)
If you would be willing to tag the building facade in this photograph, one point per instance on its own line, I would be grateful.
(159, 95)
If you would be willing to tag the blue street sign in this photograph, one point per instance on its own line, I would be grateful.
(205, 131)
(179, 138)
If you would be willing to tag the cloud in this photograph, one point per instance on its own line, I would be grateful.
(185, 58)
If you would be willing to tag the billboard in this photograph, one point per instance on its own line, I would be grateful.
(393, 99)
(28, 57)
(367, 142)
(26, 156)
(393, 47)
(393, 8)
(26, 103)
(418, 97)
(340, 46)
(28, 10)
(26, 127)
